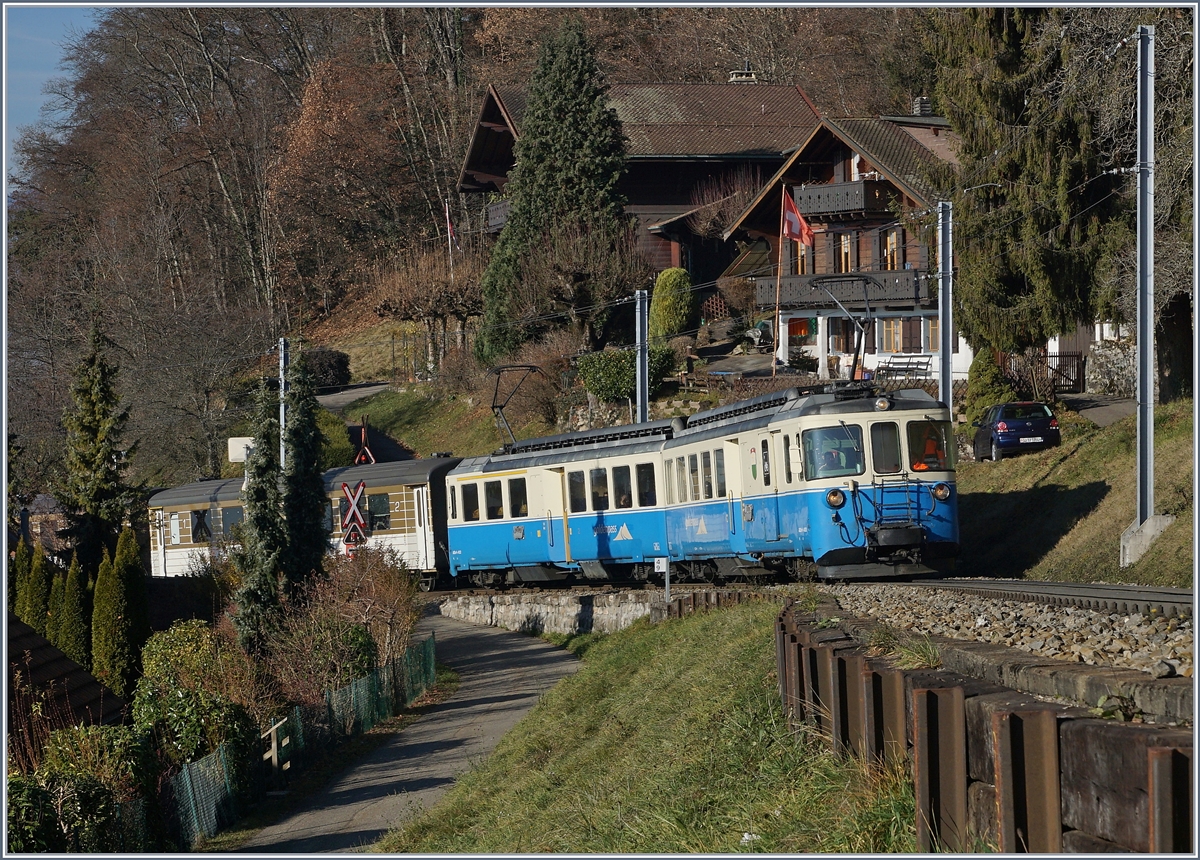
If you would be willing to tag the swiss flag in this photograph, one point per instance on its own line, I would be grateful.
(794, 225)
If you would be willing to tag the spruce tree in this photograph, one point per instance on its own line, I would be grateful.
(112, 650)
(54, 609)
(94, 492)
(263, 536)
(18, 572)
(74, 634)
(670, 304)
(36, 602)
(569, 159)
(304, 499)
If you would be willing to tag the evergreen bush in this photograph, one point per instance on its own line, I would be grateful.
(32, 823)
(54, 609)
(112, 650)
(671, 304)
(304, 500)
(36, 602)
(18, 572)
(74, 631)
(328, 367)
(612, 374)
(986, 385)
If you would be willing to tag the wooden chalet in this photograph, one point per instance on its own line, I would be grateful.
(851, 179)
(679, 136)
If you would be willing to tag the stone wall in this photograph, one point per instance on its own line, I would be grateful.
(552, 613)
(1112, 368)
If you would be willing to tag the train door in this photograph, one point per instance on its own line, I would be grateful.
(160, 555)
(732, 466)
(773, 469)
(424, 544)
(555, 525)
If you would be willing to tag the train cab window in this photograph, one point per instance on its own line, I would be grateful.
(681, 479)
(647, 498)
(599, 489)
(885, 448)
(694, 471)
(766, 462)
(833, 452)
(379, 514)
(518, 500)
(719, 467)
(787, 458)
(231, 517)
(493, 500)
(470, 502)
(576, 492)
(201, 533)
(706, 474)
(669, 468)
(931, 446)
(622, 487)
(453, 503)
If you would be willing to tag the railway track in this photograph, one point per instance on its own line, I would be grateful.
(1129, 599)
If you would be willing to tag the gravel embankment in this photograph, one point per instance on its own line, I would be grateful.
(1161, 647)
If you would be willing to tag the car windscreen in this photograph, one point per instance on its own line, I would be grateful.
(1025, 412)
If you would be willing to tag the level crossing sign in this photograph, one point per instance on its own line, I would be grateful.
(354, 525)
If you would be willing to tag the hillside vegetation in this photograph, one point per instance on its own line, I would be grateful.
(1059, 514)
(669, 739)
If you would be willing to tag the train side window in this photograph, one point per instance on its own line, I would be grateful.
(518, 500)
(681, 479)
(719, 465)
(326, 519)
(669, 478)
(231, 517)
(493, 500)
(706, 473)
(577, 492)
(766, 463)
(787, 458)
(599, 489)
(622, 487)
(694, 471)
(470, 502)
(201, 533)
(885, 448)
(645, 485)
(453, 504)
(379, 514)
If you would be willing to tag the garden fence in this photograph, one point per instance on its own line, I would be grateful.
(212, 792)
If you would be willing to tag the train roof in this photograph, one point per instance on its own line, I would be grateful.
(218, 490)
(397, 472)
(662, 428)
(852, 400)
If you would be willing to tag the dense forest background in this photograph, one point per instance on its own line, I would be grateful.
(213, 179)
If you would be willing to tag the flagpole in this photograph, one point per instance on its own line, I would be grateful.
(778, 276)
(449, 239)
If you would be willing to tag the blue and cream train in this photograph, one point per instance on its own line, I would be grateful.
(843, 484)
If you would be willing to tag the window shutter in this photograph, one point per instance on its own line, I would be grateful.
(876, 251)
(870, 338)
(854, 235)
(910, 334)
(831, 251)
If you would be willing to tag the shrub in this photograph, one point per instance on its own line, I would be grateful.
(120, 757)
(612, 374)
(32, 823)
(986, 385)
(86, 812)
(328, 367)
(740, 294)
(336, 447)
(540, 396)
(670, 304)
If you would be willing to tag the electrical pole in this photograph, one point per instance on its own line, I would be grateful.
(283, 362)
(640, 297)
(945, 307)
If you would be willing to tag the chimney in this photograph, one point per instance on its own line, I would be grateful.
(743, 76)
(922, 106)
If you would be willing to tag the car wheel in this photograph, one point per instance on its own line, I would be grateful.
(997, 454)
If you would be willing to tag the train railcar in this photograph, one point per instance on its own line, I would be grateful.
(399, 506)
(189, 524)
(579, 504)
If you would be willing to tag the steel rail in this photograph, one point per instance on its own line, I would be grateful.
(1101, 597)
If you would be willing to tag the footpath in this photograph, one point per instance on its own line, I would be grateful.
(503, 675)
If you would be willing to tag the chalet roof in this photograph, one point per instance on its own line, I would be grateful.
(902, 149)
(661, 121)
(41, 665)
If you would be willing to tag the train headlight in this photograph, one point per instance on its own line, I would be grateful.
(883, 404)
(835, 498)
(941, 492)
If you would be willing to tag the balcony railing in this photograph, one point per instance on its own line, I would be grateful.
(865, 195)
(891, 287)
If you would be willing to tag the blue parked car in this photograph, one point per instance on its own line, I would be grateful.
(1010, 428)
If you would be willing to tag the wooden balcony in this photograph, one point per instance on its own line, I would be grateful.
(871, 196)
(902, 287)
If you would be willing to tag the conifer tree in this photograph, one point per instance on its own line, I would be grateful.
(74, 633)
(36, 602)
(670, 304)
(94, 492)
(112, 651)
(569, 159)
(127, 564)
(262, 532)
(304, 499)
(54, 608)
(18, 573)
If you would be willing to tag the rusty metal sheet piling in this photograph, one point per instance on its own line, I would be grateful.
(1029, 817)
(1170, 799)
(940, 768)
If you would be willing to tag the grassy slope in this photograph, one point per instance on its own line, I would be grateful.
(1059, 514)
(669, 739)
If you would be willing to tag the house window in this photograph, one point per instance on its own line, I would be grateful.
(891, 249)
(802, 332)
(933, 335)
(892, 335)
(842, 261)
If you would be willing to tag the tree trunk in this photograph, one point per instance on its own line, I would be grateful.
(1173, 342)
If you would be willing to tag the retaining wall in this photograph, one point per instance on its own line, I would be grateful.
(568, 614)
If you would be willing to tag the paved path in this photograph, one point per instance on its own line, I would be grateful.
(503, 675)
(1100, 409)
(339, 399)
